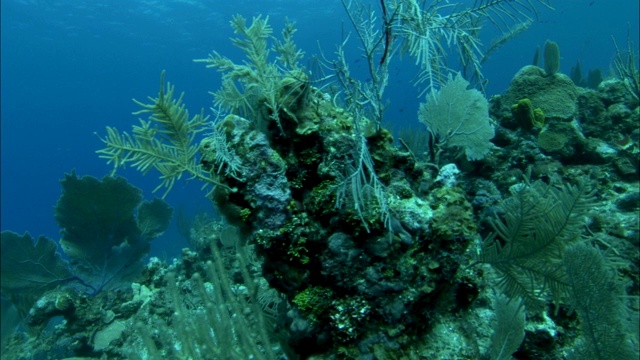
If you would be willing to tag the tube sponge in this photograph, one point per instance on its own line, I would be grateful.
(551, 57)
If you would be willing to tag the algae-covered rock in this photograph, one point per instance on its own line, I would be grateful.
(616, 91)
(52, 304)
(105, 336)
(592, 113)
(608, 119)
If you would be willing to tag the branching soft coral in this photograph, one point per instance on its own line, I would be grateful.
(165, 142)
(258, 79)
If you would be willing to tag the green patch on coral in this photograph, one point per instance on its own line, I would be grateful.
(321, 201)
(314, 301)
(245, 214)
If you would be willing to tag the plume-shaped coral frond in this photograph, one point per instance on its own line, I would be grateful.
(528, 245)
(164, 142)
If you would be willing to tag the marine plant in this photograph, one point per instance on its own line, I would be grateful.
(106, 234)
(259, 79)
(625, 64)
(101, 235)
(598, 297)
(30, 269)
(430, 30)
(106, 228)
(527, 247)
(458, 117)
(164, 142)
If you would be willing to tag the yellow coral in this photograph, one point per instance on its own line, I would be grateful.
(526, 115)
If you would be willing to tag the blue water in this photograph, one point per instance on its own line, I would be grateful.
(70, 68)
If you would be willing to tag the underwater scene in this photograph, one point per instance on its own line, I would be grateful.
(339, 179)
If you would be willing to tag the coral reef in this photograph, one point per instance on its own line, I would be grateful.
(337, 243)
